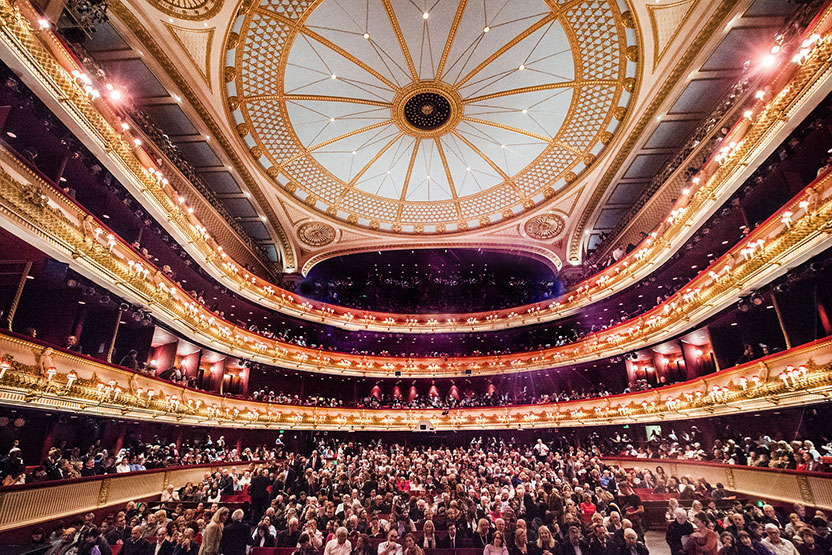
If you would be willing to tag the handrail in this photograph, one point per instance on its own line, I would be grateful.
(791, 234)
(791, 471)
(806, 68)
(813, 489)
(150, 471)
(69, 382)
(22, 506)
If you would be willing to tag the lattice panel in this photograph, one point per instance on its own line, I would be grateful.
(361, 203)
(261, 67)
(261, 51)
(594, 26)
(555, 161)
(310, 176)
(491, 201)
(594, 103)
(427, 213)
(271, 131)
(287, 8)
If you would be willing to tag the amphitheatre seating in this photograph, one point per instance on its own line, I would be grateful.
(655, 506)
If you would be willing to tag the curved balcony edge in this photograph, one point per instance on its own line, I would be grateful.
(36, 376)
(54, 65)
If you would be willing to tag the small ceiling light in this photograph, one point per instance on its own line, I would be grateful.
(486, 29)
(425, 15)
(333, 76)
(685, 191)
(522, 67)
(263, 218)
(115, 95)
(524, 110)
(353, 153)
(388, 171)
(748, 114)
(769, 60)
(760, 94)
(468, 169)
(247, 194)
(331, 119)
(502, 146)
(11, 134)
(367, 35)
(177, 98)
(125, 126)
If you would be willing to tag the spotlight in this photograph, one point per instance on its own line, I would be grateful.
(757, 299)
(743, 305)
(72, 284)
(816, 266)
(781, 287)
(88, 291)
(105, 299)
(124, 307)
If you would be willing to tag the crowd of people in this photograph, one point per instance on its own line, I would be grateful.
(452, 400)
(544, 498)
(64, 462)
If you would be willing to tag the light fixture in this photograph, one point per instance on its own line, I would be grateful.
(366, 35)
(425, 15)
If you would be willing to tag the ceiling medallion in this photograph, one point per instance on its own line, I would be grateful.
(436, 120)
(427, 110)
(316, 234)
(544, 227)
(192, 10)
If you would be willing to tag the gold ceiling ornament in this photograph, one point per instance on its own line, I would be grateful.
(544, 227)
(316, 234)
(420, 121)
(191, 10)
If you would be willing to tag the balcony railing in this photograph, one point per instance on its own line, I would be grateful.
(813, 489)
(34, 503)
(35, 375)
(794, 83)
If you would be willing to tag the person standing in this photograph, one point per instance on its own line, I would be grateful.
(212, 536)
(235, 535)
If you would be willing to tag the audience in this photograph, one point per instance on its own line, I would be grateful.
(488, 495)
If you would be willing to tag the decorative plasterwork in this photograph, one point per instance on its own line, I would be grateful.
(316, 234)
(545, 227)
(148, 40)
(34, 377)
(196, 43)
(533, 93)
(193, 10)
(666, 20)
(648, 113)
(47, 219)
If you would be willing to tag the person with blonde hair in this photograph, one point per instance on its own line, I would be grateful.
(212, 536)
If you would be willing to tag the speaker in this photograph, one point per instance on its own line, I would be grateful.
(467, 371)
(398, 373)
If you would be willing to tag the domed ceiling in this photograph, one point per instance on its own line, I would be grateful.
(427, 116)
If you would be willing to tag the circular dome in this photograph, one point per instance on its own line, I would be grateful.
(431, 118)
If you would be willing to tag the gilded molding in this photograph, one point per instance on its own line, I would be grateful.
(764, 254)
(800, 376)
(648, 114)
(118, 9)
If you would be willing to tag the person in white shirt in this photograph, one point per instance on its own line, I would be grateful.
(776, 544)
(392, 545)
(339, 545)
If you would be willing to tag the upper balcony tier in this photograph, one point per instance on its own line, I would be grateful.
(793, 84)
(51, 221)
(36, 376)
